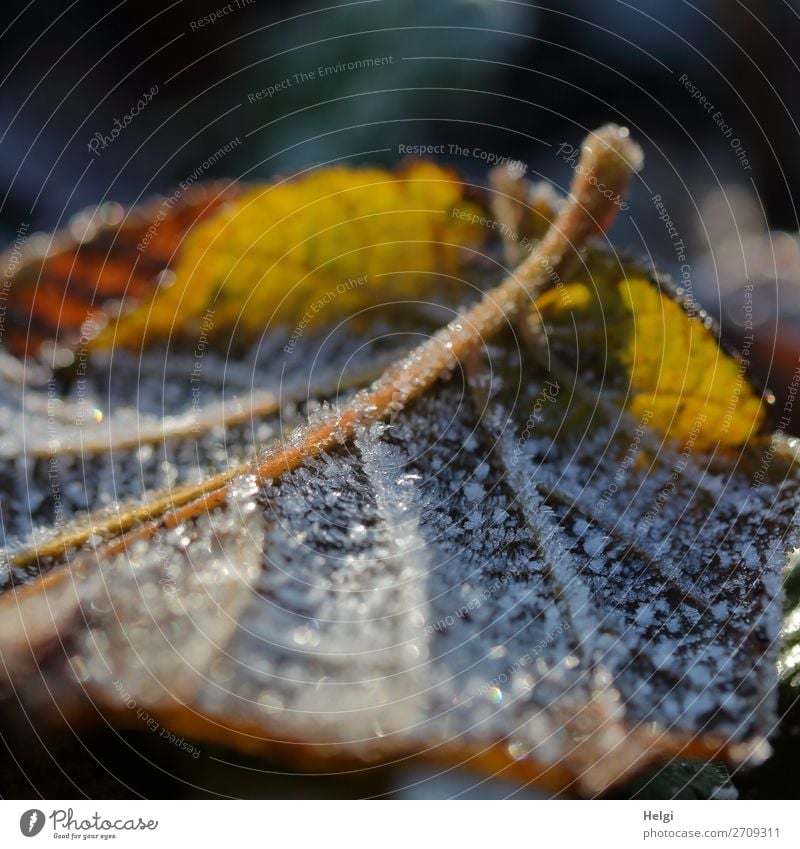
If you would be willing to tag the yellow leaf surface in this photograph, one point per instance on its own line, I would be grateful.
(314, 248)
(664, 358)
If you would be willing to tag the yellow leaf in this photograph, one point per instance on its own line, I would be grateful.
(662, 356)
(311, 249)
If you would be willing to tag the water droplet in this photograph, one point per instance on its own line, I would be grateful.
(79, 668)
(517, 750)
(306, 637)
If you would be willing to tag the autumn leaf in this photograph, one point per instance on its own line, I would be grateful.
(661, 355)
(57, 286)
(488, 556)
(335, 238)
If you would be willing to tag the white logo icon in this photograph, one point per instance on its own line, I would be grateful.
(31, 822)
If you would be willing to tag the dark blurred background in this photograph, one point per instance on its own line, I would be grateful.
(709, 87)
(503, 76)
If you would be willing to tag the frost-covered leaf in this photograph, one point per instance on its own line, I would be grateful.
(435, 586)
(681, 780)
(513, 570)
(660, 354)
(789, 660)
(58, 286)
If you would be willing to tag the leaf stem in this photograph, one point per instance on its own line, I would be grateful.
(608, 160)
